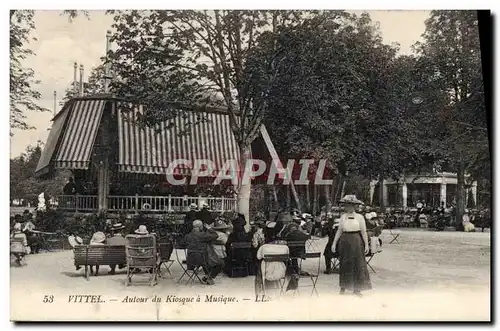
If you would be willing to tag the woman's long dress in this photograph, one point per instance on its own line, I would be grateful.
(353, 268)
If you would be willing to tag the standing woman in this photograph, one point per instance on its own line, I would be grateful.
(352, 247)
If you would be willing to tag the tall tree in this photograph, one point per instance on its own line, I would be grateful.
(452, 56)
(199, 58)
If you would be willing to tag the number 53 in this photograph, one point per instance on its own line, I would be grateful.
(48, 299)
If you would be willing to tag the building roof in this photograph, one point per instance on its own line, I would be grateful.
(194, 134)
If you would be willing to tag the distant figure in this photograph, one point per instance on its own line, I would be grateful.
(468, 226)
(70, 187)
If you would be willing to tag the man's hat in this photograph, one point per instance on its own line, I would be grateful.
(193, 206)
(220, 225)
(118, 226)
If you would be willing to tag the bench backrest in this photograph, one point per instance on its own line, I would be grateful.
(99, 255)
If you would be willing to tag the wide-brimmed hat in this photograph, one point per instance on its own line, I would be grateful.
(193, 206)
(351, 199)
(142, 229)
(117, 226)
(306, 216)
(98, 237)
(74, 241)
(220, 225)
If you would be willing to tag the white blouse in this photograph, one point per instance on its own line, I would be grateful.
(352, 222)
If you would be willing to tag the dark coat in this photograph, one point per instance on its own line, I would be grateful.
(297, 236)
(205, 216)
(200, 250)
(188, 221)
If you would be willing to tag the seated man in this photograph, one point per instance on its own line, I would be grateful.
(116, 239)
(296, 235)
(200, 252)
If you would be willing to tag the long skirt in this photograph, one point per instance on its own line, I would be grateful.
(353, 268)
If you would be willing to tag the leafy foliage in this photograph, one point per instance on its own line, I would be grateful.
(23, 93)
(24, 185)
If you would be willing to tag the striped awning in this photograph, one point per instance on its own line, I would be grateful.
(80, 133)
(190, 136)
(50, 146)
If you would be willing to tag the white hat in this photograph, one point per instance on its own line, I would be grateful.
(368, 216)
(74, 241)
(374, 214)
(193, 206)
(271, 225)
(17, 226)
(98, 237)
(351, 200)
(142, 230)
(306, 215)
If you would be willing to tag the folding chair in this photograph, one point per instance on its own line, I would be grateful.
(240, 256)
(313, 276)
(190, 273)
(284, 258)
(395, 237)
(335, 263)
(369, 258)
(297, 250)
(311, 244)
(165, 251)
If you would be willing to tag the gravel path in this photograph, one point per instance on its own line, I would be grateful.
(427, 276)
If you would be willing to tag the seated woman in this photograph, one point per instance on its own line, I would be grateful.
(98, 239)
(219, 245)
(238, 259)
(269, 273)
(258, 239)
(19, 248)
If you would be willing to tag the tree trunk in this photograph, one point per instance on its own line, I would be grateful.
(244, 189)
(275, 198)
(288, 198)
(327, 197)
(381, 194)
(308, 198)
(295, 196)
(315, 199)
(460, 195)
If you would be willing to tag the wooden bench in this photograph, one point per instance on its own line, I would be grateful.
(86, 255)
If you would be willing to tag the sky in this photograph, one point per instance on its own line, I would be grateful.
(60, 43)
